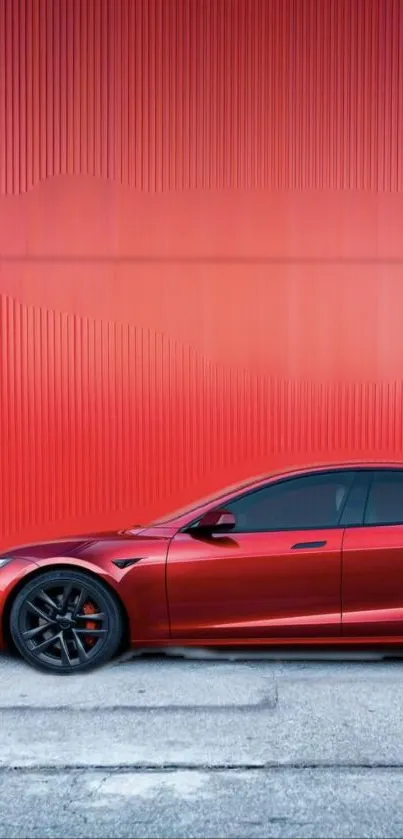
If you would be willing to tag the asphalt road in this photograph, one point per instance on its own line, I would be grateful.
(164, 747)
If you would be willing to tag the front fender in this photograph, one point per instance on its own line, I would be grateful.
(141, 588)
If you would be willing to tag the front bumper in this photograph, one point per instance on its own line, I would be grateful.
(10, 576)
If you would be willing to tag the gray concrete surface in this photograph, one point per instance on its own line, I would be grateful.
(180, 748)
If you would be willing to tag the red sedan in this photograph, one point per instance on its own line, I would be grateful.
(309, 556)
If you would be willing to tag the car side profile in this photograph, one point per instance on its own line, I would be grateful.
(309, 556)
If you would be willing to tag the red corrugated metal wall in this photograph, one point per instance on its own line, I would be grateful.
(201, 242)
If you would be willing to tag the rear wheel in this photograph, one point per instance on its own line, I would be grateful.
(65, 622)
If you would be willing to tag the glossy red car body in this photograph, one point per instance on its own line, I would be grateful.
(240, 588)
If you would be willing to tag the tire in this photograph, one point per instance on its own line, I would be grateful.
(66, 622)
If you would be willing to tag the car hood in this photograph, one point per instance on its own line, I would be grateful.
(69, 546)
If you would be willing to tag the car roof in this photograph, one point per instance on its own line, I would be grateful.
(328, 466)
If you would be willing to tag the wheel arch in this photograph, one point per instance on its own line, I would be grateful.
(63, 566)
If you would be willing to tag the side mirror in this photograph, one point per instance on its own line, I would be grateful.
(217, 521)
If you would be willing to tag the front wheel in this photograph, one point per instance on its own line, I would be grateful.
(66, 622)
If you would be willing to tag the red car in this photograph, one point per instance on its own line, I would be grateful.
(309, 556)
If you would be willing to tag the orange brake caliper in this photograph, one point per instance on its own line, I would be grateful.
(89, 609)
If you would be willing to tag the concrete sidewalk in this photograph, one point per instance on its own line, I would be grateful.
(165, 747)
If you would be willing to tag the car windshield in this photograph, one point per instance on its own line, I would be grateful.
(214, 496)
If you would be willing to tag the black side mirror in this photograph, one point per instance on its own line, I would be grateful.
(216, 521)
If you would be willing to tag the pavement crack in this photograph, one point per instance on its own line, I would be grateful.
(71, 796)
(127, 768)
(95, 790)
(267, 703)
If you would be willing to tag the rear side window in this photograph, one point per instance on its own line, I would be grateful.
(385, 501)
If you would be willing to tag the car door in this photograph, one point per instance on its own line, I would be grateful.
(372, 594)
(276, 574)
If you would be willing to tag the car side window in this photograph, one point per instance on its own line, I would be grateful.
(353, 514)
(307, 502)
(385, 500)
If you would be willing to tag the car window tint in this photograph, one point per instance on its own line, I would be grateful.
(313, 501)
(385, 502)
(353, 514)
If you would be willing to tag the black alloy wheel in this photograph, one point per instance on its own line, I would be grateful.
(65, 622)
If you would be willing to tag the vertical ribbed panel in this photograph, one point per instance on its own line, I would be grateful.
(177, 94)
(155, 347)
(105, 424)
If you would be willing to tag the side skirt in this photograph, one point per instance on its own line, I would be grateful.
(365, 641)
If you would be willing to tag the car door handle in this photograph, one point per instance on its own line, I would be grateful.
(300, 545)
